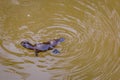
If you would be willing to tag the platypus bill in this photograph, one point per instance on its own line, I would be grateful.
(42, 47)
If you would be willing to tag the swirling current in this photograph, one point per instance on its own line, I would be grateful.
(91, 50)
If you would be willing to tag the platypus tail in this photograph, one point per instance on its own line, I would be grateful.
(60, 39)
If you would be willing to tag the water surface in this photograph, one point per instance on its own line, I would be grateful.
(91, 50)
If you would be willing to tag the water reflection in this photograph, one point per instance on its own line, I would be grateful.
(90, 50)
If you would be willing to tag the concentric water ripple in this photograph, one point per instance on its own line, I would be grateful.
(91, 50)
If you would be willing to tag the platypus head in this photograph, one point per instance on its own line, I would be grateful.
(27, 45)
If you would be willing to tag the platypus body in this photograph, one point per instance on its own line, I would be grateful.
(42, 47)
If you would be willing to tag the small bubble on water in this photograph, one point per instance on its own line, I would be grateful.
(28, 15)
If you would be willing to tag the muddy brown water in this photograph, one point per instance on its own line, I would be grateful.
(91, 50)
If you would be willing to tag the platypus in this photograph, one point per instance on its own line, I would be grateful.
(42, 47)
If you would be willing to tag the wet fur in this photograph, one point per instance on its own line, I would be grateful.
(29, 46)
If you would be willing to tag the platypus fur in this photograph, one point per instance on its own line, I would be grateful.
(42, 47)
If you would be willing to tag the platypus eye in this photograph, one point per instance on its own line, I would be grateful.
(23, 43)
